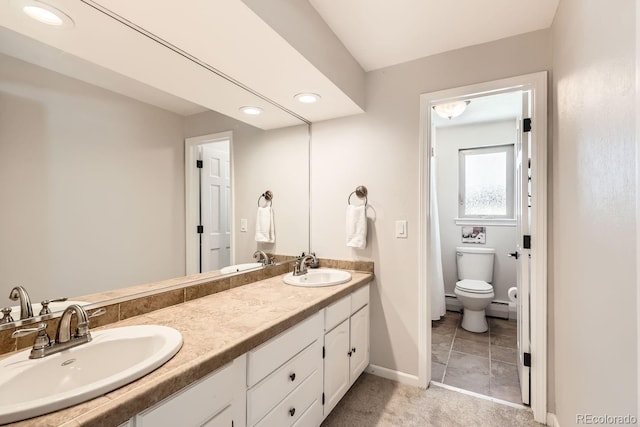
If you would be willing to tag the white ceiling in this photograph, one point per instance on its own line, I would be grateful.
(503, 106)
(229, 36)
(380, 33)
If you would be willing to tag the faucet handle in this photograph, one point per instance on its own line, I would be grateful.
(42, 340)
(45, 305)
(83, 327)
(6, 315)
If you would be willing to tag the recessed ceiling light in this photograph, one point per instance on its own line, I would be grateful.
(45, 13)
(252, 111)
(307, 98)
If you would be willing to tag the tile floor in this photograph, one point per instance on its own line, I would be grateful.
(483, 363)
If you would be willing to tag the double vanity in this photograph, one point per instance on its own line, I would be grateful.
(263, 353)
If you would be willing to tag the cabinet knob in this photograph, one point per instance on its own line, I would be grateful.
(292, 411)
(353, 350)
(292, 376)
(349, 354)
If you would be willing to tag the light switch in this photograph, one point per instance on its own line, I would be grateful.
(243, 225)
(401, 229)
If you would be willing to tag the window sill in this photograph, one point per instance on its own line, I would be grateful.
(500, 222)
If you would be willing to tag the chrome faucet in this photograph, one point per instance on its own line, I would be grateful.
(20, 293)
(301, 264)
(257, 255)
(43, 346)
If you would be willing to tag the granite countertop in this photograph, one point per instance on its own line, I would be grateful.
(216, 329)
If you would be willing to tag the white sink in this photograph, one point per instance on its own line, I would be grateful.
(240, 267)
(53, 306)
(318, 277)
(115, 357)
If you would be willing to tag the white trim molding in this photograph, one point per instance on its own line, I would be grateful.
(552, 420)
(390, 374)
(537, 83)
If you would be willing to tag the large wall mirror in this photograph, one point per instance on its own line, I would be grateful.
(92, 182)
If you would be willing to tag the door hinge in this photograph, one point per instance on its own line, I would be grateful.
(323, 398)
(200, 229)
(526, 125)
(527, 360)
(526, 241)
(199, 164)
(323, 352)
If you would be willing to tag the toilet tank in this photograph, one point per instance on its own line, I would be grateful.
(475, 263)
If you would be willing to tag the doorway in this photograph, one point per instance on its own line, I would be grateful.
(208, 202)
(531, 226)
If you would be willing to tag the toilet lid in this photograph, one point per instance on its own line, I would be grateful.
(475, 286)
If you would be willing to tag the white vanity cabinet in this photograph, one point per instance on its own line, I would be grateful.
(294, 379)
(284, 377)
(346, 345)
(217, 400)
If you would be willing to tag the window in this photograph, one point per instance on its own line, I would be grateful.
(486, 183)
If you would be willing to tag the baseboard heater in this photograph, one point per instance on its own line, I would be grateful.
(500, 309)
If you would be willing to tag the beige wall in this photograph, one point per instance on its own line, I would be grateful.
(503, 239)
(594, 236)
(380, 149)
(91, 184)
(275, 160)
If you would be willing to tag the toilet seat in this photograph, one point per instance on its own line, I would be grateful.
(474, 286)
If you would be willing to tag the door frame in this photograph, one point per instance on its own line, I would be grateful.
(537, 83)
(192, 190)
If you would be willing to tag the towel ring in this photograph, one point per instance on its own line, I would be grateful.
(268, 196)
(361, 192)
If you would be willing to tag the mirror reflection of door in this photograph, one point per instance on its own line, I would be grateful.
(215, 205)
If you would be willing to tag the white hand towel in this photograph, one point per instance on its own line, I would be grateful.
(357, 226)
(265, 230)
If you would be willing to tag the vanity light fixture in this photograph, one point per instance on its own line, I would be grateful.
(45, 13)
(307, 97)
(450, 110)
(251, 111)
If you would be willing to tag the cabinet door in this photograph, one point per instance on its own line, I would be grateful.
(359, 343)
(336, 365)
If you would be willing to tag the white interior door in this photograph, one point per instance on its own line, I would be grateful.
(215, 193)
(522, 254)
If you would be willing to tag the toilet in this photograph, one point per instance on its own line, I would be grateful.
(474, 290)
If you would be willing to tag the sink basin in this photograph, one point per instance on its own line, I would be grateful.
(240, 267)
(318, 277)
(115, 357)
(53, 306)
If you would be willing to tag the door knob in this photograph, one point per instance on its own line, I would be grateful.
(515, 255)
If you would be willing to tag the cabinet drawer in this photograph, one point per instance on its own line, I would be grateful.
(223, 419)
(294, 406)
(359, 298)
(266, 394)
(336, 313)
(195, 404)
(311, 417)
(274, 353)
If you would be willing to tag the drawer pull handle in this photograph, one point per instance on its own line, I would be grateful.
(349, 354)
(292, 376)
(353, 350)
(292, 411)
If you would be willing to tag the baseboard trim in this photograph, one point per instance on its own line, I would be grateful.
(552, 420)
(390, 374)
